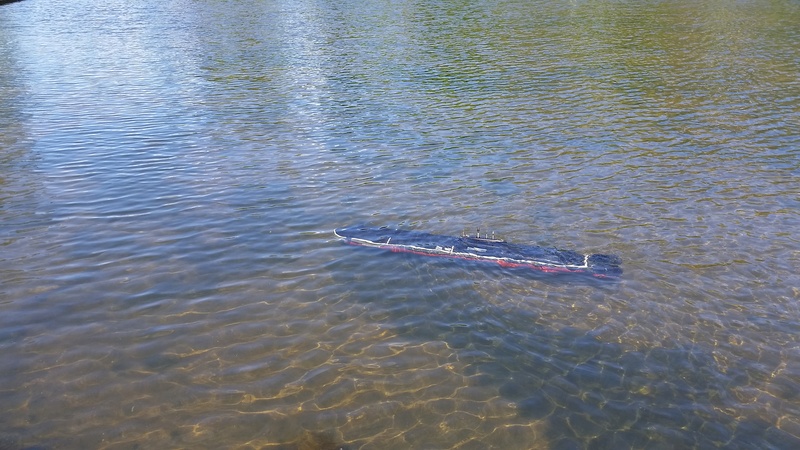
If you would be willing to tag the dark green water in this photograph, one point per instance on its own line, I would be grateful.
(171, 173)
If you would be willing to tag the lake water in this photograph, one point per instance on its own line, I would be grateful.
(172, 172)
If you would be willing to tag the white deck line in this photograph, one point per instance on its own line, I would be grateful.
(368, 243)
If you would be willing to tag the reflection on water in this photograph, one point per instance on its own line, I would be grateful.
(172, 173)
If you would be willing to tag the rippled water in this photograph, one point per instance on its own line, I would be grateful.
(172, 173)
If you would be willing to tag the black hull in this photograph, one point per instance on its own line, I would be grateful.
(543, 259)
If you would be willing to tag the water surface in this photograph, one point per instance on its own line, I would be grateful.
(172, 173)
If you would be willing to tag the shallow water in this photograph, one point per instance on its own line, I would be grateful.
(172, 173)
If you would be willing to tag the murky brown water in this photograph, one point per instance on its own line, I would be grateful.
(172, 173)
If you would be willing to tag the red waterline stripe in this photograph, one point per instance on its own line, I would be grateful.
(500, 262)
